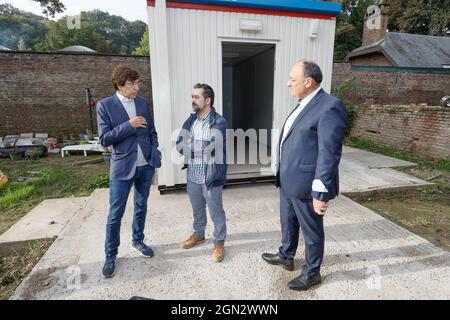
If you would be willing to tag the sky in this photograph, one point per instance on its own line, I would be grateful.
(129, 9)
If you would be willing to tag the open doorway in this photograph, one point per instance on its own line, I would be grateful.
(247, 84)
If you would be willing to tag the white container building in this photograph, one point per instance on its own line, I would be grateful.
(244, 49)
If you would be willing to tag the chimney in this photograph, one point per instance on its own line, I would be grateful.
(375, 22)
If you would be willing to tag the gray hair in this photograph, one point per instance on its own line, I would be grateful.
(312, 70)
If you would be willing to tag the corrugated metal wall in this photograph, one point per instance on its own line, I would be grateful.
(194, 48)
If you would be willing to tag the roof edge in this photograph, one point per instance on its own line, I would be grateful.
(306, 6)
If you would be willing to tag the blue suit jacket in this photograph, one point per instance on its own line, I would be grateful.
(116, 131)
(312, 149)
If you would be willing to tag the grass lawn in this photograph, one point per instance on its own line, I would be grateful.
(14, 269)
(30, 182)
(426, 210)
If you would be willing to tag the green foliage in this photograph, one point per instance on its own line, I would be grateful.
(20, 30)
(431, 17)
(347, 39)
(15, 192)
(144, 48)
(50, 7)
(341, 93)
(99, 31)
(349, 27)
(443, 165)
(13, 269)
(59, 36)
(122, 35)
(99, 182)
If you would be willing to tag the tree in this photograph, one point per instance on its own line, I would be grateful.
(123, 35)
(50, 7)
(349, 27)
(100, 31)
(16, 25)
(347, 39)
(59, 36)
(431, 17)
(144, 48)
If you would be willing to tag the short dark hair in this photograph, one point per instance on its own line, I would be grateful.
(121, 74)
(312, 70)
(208, 92)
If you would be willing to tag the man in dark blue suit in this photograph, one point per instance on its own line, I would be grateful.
(309, 152)
(125, 124)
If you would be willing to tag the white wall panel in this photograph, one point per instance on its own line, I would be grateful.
(194, 45)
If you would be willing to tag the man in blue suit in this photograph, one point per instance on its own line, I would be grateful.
(125, 124)
(309, 152)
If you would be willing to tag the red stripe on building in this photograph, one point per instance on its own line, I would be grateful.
(210, 7)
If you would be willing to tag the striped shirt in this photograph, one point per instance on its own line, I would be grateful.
(200, 137)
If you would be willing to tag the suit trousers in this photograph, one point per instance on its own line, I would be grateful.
(296, 214)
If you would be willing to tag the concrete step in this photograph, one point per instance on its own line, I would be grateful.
(45, 221)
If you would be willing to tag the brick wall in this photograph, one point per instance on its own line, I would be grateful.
(377, 87)
(45, 92)
(417, 129)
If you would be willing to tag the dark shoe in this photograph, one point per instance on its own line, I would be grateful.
(143, 249)
(303, 282)
(109, 268)
(277, 260)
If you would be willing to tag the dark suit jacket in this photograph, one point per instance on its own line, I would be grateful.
(115, 130)
(312, 149)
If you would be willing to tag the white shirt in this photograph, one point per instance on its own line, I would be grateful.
(317, 185)
(290, 121)
(130, 108)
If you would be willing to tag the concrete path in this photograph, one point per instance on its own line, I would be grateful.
(45, 221)
(367, 256)
(363, 171)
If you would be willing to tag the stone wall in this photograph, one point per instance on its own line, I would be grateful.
(417, 129)
(389, 87)
(45, 92)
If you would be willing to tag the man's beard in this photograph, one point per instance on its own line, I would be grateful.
(195, 107)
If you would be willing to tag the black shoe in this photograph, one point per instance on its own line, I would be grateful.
(277, 260)
(303, 282)
(109, 268)
(143, 249)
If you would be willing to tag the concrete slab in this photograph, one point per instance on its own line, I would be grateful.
(367, 256)
(364, 171)
(352, 157)
(46, 220)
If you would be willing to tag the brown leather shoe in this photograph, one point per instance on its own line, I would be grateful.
(219, 252)
(192, 241)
